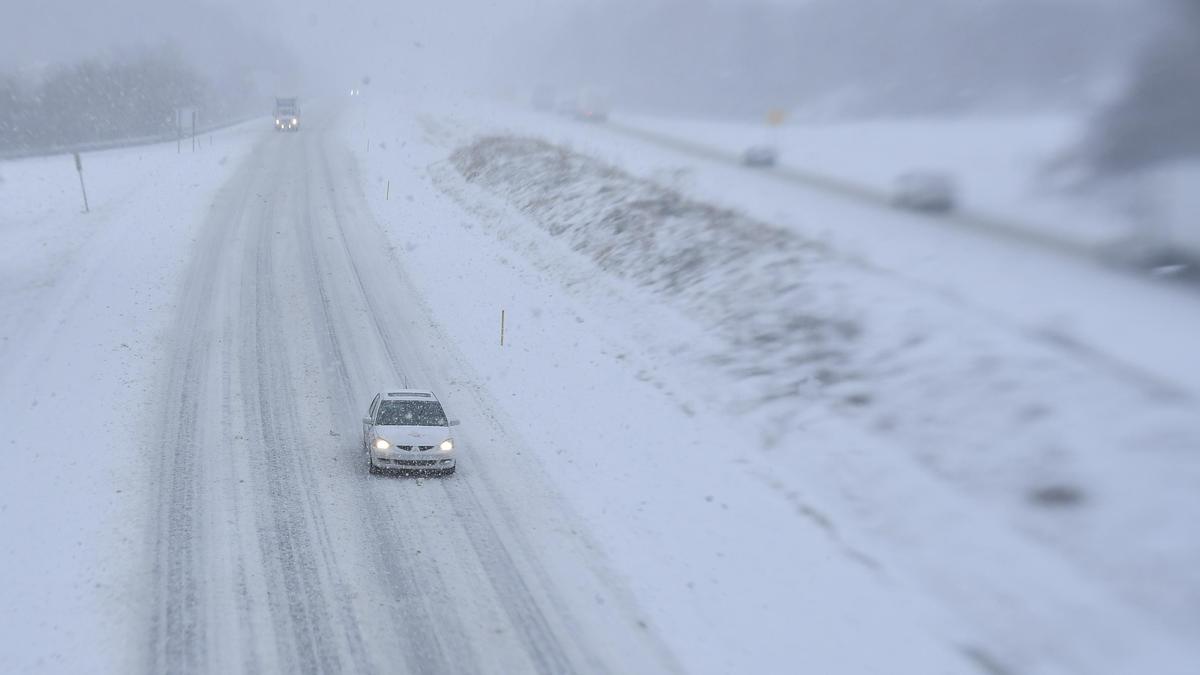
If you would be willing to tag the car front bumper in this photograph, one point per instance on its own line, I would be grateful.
(413, 460)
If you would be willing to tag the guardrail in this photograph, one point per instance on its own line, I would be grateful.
(111, 144)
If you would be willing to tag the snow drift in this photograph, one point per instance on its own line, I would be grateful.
(1032, 421)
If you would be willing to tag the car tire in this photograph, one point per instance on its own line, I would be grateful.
(371, 468)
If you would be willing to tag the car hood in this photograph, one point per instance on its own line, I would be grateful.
(406, 435)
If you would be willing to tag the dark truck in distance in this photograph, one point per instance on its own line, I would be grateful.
(287, 114)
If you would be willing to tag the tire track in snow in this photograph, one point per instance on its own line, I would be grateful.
(323, 625)
(308, 642)
(177, 631)
(504, 576)
(421, 629)
(313, 626)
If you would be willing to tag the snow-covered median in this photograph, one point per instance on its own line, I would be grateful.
(680, 355)
(1034, 423)
(743, 278)
(86, 299)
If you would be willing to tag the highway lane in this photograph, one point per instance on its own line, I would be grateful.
(275, 551)
(965, 220)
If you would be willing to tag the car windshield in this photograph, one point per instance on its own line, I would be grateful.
(411, 414)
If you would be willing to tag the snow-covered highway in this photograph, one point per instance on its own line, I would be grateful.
(713, 441)
(276, 551)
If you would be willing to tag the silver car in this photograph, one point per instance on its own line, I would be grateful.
(929, 191)
(406, 430)
(760, 156)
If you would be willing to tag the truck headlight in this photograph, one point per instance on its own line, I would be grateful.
(382, 444)
(447, 444)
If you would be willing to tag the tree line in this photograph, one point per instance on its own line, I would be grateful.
(1156, 120)
(860, 58)
(124, 96)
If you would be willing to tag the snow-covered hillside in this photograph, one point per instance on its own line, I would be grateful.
(736, 424)
(973, 441)
(86, 299)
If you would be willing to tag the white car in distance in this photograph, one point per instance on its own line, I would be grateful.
(406, 430)
(928, 191)
(761, 156)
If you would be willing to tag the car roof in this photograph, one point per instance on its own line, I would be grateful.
(400, 393)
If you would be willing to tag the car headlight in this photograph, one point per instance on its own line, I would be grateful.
(382, 444)
(447, 444)
(295, 120)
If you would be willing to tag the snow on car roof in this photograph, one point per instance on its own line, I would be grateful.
(408, 393)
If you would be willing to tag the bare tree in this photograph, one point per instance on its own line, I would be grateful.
(1157, 119)
(133, 94)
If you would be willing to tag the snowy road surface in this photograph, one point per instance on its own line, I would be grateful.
(639, 489)
(275, 549)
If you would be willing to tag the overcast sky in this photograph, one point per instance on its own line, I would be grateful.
(332, 41)
(333, 38)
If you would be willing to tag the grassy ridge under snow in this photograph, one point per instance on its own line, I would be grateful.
(710, 260)
(1029, 420)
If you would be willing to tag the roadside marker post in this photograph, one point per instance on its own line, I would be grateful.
(387, 194)
(79, 169)
(181, 116)
(501, 328)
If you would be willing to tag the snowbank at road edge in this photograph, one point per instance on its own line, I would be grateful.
(86, 301)
(908, 349)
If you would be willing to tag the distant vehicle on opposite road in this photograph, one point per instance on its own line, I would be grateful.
(1164, 206)
(760, 156)
(287, 114)
(590, 105)
(406, 430)
(929, 191)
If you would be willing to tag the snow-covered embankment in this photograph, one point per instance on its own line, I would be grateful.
(928, 440)
(86, 298)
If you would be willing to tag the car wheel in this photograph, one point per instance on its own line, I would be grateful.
(371, 468)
